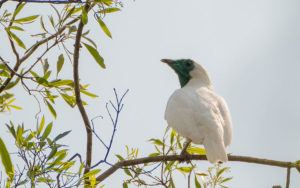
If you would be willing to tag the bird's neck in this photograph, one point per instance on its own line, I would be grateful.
(199, 82)
(198, 78)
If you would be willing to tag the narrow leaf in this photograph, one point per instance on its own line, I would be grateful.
(197, 184)
(6, 161)
(104, 27)
(61, 135)
(126, 170)
(120, 157)
(109, 10)
(17, 39)
(92, 172)
(95, 55)
(53, 112)
(16, 28)
(43, 25)
(27, 19)
(15, 107)
(47, 131)
(18, 10)
(41, 126)
(125, 185)
(88, 94)
(60, 63)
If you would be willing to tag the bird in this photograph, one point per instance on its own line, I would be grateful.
(197, 112)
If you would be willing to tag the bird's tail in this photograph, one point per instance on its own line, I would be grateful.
(215, 150)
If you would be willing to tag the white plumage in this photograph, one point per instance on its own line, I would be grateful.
(197, 113)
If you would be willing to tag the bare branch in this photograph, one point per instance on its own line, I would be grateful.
(288, 177)
(111, 170)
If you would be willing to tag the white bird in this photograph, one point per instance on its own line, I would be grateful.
(197, 113)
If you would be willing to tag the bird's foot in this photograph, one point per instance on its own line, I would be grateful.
(186, 157)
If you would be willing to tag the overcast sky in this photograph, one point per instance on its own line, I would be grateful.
(251, 50)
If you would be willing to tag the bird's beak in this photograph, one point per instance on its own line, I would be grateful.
(168, 61)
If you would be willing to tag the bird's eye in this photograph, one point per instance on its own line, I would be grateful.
(188, 63)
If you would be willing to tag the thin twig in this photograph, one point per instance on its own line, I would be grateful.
(288, 177)
(246, 159)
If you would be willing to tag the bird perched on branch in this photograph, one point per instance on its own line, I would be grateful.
(197, 113)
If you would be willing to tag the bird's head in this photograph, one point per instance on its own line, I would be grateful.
(187, 69)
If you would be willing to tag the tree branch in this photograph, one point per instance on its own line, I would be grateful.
(288, 177)
(78, 97)
(34, 47)
(111, 170)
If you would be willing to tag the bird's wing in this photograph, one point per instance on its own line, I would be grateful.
(214, 123)
(221, 111)
(227, 125)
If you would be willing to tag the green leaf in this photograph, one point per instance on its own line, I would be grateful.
(52, 153)
(61, 135)
(126, 170)
(41, 126)
(226, 179)
(60, 63)
(153, 154)
(59, 158)
(104, 28)
(197, 184)
(47, 131)
(91, 173)
(185, 169)
(53, 112)
(45, 180)
(12, 84)
(88, 94)
(125, 185)
(109, 10)
(95, 55)
(12, 129)
(45, 65)
(57, 83)
(6, 161)
(84, 16)
(120, 157)
(27, 19)
(157, 142)
(51, 21)
(173, 134)
(47, 75)
(16, 28)
(43, 25)
(193, 150)
(69, 99)
(106, 2)
(90, 40)
(221, 171)
(18, 9)
(34, 74)
(4, 74)
(169, 165)
(17, 39)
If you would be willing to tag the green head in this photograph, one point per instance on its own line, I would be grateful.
(182, 67)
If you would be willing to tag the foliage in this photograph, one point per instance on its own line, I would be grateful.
(171, 144)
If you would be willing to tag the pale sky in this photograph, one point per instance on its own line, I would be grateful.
(251, 50)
